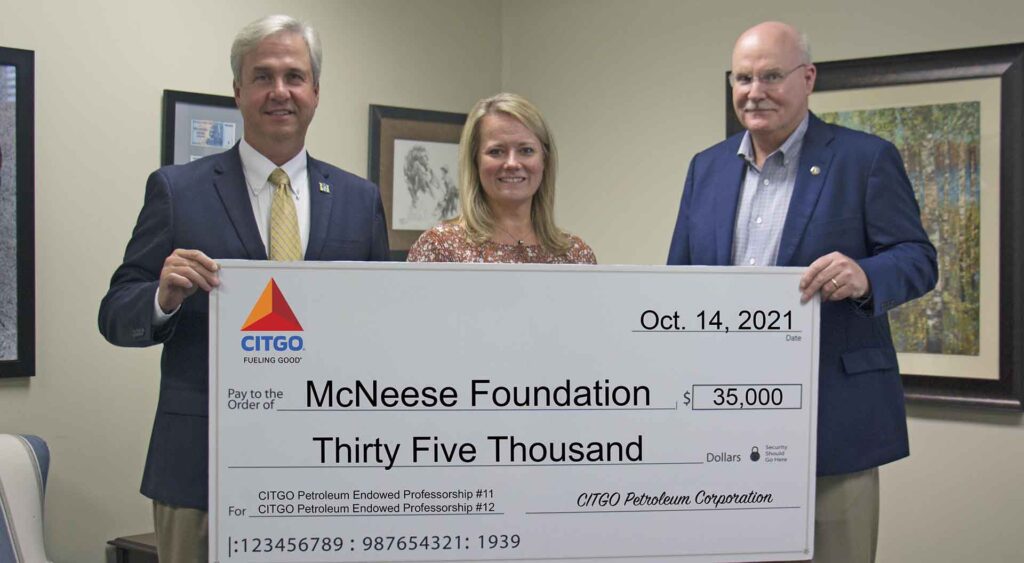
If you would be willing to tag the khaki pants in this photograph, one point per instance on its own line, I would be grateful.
(181, 534)
(846, 518)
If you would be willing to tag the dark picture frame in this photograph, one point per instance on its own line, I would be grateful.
(197, 125)
(17, 213)
(389, 124)
(1006, 64)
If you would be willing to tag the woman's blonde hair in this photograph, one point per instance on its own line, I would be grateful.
(476, 215)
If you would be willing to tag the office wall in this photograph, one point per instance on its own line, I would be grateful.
(634, 89)
(100, 71)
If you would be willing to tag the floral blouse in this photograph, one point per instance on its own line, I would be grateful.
(447, 242)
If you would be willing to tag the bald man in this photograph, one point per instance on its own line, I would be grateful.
(794, 191)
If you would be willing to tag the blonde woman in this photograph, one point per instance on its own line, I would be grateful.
(507, 166)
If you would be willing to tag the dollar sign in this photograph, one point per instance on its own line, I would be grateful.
(686, 398)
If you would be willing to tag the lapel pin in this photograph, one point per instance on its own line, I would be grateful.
(325, 188)
(814, 172)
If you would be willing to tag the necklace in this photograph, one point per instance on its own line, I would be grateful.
(519, 241)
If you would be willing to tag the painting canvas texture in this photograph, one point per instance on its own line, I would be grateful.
(424, 184)
(940, 145)
(8, 215)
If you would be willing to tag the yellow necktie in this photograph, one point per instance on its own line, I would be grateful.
(284, 222)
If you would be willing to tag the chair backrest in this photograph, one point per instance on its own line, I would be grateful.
(24, 464)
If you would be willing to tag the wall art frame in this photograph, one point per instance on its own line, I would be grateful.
(17, 213)
(413, 137)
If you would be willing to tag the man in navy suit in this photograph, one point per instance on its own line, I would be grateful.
(795, 191)
(220, 207)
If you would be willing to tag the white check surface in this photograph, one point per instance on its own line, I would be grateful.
(695, 435)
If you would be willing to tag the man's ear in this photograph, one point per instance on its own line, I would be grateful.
(810, 75)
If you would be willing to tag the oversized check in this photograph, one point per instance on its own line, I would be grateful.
(467, 412)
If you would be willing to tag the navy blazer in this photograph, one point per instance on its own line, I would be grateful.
(205, 205)
(860, 203)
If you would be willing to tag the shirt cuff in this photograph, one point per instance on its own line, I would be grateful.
(160, 318)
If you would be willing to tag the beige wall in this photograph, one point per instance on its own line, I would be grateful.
(100, 71)
(634, 89)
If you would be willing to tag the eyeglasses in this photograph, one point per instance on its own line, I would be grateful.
(768, 79)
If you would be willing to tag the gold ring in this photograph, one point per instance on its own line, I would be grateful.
(834, 284)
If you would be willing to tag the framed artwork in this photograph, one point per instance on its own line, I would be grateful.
(197, 125)
(956, 117)
(17, 231)
(414, 158)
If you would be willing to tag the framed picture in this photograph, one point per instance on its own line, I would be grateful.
(956, 116)
(414, 158)
(17, 231)
(197, 125)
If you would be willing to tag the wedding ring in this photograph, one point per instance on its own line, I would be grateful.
(834, 284)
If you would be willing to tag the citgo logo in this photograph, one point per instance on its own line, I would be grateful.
(271, 313)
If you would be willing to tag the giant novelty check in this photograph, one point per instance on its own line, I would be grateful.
(450, 412)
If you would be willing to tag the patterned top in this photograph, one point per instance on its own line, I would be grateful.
(447, 242)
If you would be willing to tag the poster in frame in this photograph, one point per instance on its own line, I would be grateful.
(197, 125)
(414, 160)
(17, 229)
(987, 82)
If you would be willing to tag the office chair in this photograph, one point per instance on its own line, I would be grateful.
(24, 464)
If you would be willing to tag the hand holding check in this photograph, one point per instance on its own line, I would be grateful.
(836, 276)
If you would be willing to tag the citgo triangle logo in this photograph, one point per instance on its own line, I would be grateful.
(271, 312)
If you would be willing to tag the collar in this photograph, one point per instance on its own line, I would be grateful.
(257, 168)
(789, 149)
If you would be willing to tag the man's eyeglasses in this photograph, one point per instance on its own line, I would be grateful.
(767, 79)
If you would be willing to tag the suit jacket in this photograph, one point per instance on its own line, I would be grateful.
(205, 205)
(860, 203)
